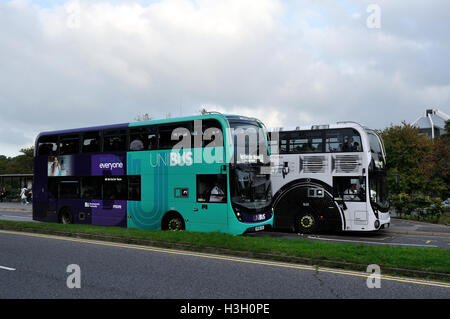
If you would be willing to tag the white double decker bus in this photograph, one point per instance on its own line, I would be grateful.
(329, 177)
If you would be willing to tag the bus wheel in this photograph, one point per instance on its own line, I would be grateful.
(66, 216)
(173, 222)
(306, 223)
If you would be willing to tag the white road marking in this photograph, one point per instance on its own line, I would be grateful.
(7, 268)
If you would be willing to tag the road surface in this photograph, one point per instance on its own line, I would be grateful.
(35, 266)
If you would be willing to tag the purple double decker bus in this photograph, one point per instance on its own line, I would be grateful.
(132, 175)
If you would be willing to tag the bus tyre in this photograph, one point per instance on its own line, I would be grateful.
(66, 216)
(173, 222)
(306, 223)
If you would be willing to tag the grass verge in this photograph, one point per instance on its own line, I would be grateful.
(429, 263)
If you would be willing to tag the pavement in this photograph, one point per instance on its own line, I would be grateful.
(15, 206)
(410, 227)
(398, 226)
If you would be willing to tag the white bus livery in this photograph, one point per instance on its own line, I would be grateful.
(329, 177)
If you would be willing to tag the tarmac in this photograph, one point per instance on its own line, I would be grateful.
(397, 226)
(15, 206)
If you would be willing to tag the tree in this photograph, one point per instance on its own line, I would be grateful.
(21, 164)
(439, 161)
(406, 154)
(447, 129)
(25, 161)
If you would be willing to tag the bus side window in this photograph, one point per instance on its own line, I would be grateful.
(314, 141)
(212, 133)
(143, 139)
(69, 189)
(47, 145)
(349, 188)
(172, 134)
(333, 141)
(91, 187)
(284, 137)
(69, 144)
(91, 142)
(343, 140)
(115, 188)
(53, 188)
(299, 142)
(115, 141)
(134, 188)
(352, 141)
(357, 146)
(211, 188)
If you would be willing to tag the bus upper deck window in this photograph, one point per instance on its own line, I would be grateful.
(143, 139)
(343, 140)
(115, 141)
(299, 142)
(212, 134)
(172, 134)
(47, 145)
(91, 142)
(69, 144)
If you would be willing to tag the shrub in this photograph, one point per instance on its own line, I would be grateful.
(426, 208)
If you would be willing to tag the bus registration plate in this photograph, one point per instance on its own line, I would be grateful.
(258, 228)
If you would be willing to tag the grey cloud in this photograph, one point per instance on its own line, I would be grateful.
(288, 62)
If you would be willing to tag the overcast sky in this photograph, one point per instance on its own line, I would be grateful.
(67, 64)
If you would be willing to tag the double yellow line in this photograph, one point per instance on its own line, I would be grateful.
(235, 259)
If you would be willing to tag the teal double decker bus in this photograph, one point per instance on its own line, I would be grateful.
(200, 173)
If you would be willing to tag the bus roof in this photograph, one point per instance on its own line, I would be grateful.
(84, 129)
(210, 115)
(347, 124)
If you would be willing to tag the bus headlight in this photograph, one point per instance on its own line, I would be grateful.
(377, 224)
(238, 214)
